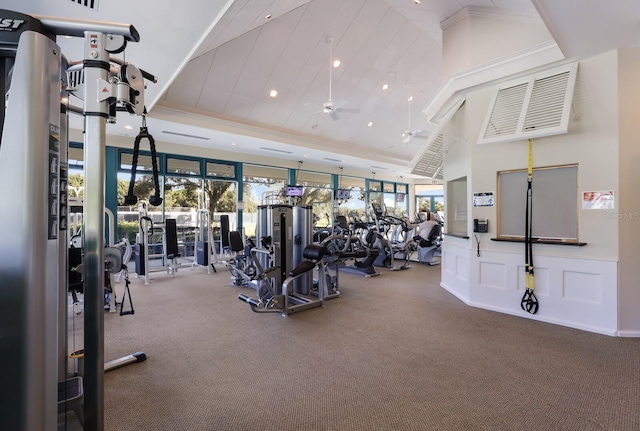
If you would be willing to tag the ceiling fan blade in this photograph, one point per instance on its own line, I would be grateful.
(333, 115)
(406, 139)
(419, 134)
(348, 110)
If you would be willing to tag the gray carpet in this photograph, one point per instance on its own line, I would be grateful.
(394, 352)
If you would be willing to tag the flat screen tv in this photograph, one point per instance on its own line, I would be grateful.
(294, 191)
(343, 194)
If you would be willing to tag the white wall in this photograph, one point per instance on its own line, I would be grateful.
(476, 36)
(576, 286)
(628, 219)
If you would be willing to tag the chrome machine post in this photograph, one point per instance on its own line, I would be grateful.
(96, 111)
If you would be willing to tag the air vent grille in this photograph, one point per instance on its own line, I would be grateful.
(430, 163)
(547, 102)
(91, 4)
(185, 135)
(506, 111)
(534, 107)
(275, 150)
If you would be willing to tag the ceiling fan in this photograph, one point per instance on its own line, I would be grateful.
(329, 106)
(410, 133)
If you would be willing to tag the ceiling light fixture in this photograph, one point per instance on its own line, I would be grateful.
(370, 123)
(410, 99)
(336, 63)
(233, 144)
(273, 93)
(385, 86)
(268, 16)
(417, 2)
(128, 127)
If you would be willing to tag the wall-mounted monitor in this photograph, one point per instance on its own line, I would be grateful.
(400, 197)
(343, 194)
(293, 191)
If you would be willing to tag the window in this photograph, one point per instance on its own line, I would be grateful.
(354, 207)
(183, 166)
(220, 170)
(262, 185)
(456, 223)
(318, 193)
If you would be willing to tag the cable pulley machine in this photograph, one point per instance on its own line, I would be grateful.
(529, 301)
(34, 142)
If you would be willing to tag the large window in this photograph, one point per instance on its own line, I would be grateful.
(143, 188)
(318, 193)
(354, 206)
(262, 185)
(430, 198)
(221, 198)
(181, 201)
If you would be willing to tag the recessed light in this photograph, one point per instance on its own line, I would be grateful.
(268, 16)
(336, 63)
(370, 123)
(233, 144)
(410, 99)
(417, 2)
(127, 127)
(385, 86)
(273, 93)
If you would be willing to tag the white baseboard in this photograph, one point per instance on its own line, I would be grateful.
(541, 318)
(628, 334)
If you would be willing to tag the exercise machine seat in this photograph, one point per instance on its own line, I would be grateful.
(235, 241)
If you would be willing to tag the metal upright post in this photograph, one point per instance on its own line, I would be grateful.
(63, 241)
(96, 111)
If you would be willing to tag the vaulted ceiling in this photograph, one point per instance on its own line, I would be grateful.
(218, 61)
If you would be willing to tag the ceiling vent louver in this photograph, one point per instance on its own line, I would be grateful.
(430, 163)
(91, 4)
(536, 106)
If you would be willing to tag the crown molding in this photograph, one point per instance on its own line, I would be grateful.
(458, 85)
(491, 12)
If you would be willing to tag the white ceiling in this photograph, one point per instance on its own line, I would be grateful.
(217, 60)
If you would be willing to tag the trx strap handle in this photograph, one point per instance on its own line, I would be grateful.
(529, 301)
(126, 293)
(130, 198)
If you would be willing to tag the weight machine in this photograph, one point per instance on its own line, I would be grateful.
(285, 280)
(204, 252)
(169, 244)
(33, 159)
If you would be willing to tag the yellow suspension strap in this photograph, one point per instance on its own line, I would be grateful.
(529, 301)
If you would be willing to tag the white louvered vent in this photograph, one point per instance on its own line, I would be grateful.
(91, 4)
(430, 163)
(532, 107)
(506, 111)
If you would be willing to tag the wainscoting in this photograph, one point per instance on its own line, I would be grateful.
(577, 293)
